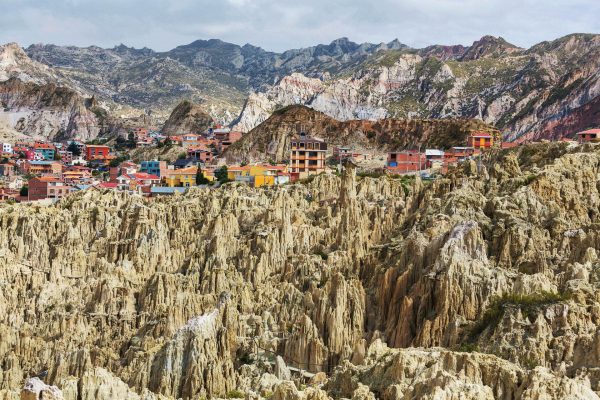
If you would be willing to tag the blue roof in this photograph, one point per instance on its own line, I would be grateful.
(167, 190)
(41, 162)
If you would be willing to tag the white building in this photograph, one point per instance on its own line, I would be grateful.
(7, 148)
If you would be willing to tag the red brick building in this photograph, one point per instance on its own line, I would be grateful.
(97, 152)
(200, 153)
(47, 187)
(401, 162)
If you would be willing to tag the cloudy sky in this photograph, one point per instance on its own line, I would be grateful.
(282, 24)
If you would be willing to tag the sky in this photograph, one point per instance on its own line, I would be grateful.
(278, 25)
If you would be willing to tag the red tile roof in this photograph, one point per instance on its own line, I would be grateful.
(592, 131)
(143, 176)
(481, 134)
(108, 185)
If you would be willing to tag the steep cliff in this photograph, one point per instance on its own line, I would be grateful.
(483, 284)
(272, 137)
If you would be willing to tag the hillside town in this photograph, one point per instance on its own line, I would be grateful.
(34, 171)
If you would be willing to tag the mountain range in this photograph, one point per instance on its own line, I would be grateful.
(546, 91)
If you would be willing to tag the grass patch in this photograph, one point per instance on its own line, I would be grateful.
(529, 305)
(235, 394)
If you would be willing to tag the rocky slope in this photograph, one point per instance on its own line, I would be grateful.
(48, 111)
(547, 91)
(41, 102)
(187, 117)
(271, 139)
(482, 283)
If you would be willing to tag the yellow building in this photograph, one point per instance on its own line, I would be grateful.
(184, 177)
(238, 173)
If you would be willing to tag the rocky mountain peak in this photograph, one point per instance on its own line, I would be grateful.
(489, 46)
(187, 117)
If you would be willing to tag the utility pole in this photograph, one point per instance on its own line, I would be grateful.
(419, 155)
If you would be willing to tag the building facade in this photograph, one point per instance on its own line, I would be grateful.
(97, 152)
(307, 156)
(154, 167)
(47, 187)
(481, 140)
(591, 135)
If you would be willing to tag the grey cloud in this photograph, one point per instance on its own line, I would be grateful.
(284, 24)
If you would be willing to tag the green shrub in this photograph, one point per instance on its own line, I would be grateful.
(529, 305)
(235, 394)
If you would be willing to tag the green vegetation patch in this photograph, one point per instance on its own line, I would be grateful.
(529, 304)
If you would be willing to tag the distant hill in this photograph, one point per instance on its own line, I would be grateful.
(546, 91)
(271, 139)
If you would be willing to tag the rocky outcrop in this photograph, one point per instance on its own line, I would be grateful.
(482, 283)
(529, 94)
(440, 82)
(47, 111)
(434, 374)
(187, 118)
(272, 137)
(35, 389)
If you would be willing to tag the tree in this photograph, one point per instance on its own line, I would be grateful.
(57, 156)
(221, 174)
(24, 191)
(201, 179)
(74, 149)
(131, 143)
(168, 142)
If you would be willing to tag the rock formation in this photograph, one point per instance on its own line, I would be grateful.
(272, 138)
(187, 118)
(47, 111)
(482, 284)
(547, 91)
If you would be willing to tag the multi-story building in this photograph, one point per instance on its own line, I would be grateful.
(307, 156)
(97, 152)
(41, 167)
(406, 161)
(45, 150)
(7, 169)
(47, 187)
(200, 153)
(65, 156)
(481, 140)
(184, 177)
(154, 167)
(137, 181)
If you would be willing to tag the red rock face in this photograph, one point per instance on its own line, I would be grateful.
(587, 116)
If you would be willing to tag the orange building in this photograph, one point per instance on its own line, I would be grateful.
(481, 140)
(41, 167)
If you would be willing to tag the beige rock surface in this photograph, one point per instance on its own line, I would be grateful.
(481, 288)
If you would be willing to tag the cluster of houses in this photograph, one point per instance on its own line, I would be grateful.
(38, 170)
